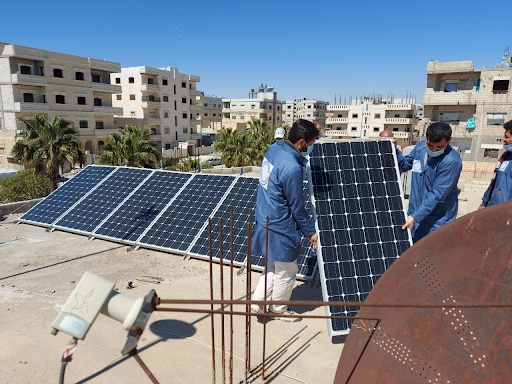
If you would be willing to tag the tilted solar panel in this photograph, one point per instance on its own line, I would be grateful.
(178, 225)
(59, 201)
(102, 201)
(241, 200)
(137, 213)
(360, 211)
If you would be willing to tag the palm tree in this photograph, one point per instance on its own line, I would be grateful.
(45, 144)
(131, 147)
(261, 136)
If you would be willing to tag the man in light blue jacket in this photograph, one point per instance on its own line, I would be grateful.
(436, 168)
(280, 198)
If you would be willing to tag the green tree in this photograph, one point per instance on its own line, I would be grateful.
(25, 185)
(131, 147)
(45, 144)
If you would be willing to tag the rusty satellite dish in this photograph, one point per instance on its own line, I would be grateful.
(450, 316)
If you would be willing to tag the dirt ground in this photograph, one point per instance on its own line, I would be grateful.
(39, 269)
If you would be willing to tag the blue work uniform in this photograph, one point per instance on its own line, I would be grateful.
(502, 190)
(433, 200)
(280, 197)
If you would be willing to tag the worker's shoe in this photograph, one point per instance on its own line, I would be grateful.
(258, 309)
(288, 316)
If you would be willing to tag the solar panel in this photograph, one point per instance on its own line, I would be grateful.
(360, 211)
(59, 201)
(176, 228)
(241, 199)
(136, 214)
(307, 260)
(107, 196)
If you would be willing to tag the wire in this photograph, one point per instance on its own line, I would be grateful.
(67, 355)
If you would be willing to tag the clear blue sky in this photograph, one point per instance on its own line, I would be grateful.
(312, 49)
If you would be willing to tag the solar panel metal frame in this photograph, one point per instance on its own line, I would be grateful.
(321, 257)
(61, 191)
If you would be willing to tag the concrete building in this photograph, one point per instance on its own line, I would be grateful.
(368, 116)
(302, 108)
(456, 92)
(76, 88)
(262, 104)
(209, 118)
(163, 100)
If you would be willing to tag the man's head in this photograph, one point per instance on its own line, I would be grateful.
(279, 133)
(438, 136)
(507, 136)
(303, 134)
(386, 133)
(317, 125)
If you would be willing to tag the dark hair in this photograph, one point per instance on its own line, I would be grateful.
(508, 126)
(438, 131)
(302, 129)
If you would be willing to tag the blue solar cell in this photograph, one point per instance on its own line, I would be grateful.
(63, 198)
(178, 226)
(132, 218)
(96, 206)
(360, 212)
(240, 201)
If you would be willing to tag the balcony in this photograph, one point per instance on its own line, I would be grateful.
(31, 107)
(195, 136)
(18, 78)
(338, 107)
(194, 78)
(336, 132)
(401, 135)
(336, 120)
(398, 120)
(194, 92)
(431, 97)
(107, 110)
(149, 87)
(400, 107)
(153, 120)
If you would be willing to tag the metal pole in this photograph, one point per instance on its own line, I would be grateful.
(221, 264)
(231, 254)
(211, 297)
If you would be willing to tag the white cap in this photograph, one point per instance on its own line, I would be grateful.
(279, 134)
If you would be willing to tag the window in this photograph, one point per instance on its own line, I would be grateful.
(491, 153)
(80, 100)
(450, 117)
(153, 131)
(206, 114)
(184, 100)
(79, 76)
(175, 106)
(167, 131)
(164, 82)
(500, 86)
(355, 115)
(99, 125)
(118, 80)
(132, 97)
(119, 97)
(131, 80)
(366, 119)
(150, 80)
(28, 97)
(353, 128)
(309, 106)
(25, 70)
(60, 99)
(167, 146)
(495, 118)
(98, 102)
(185, 115)
(451, 86)
(375, 129)
(83, 124)
(377, 116)
(183, 84)
(166, 115)
(185, 130)
(166, 98)
(176, 124)
(132, 113)
(174, 88)
(96, 78)
(397, 115)
(58, 72)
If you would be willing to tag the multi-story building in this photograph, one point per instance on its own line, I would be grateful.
(262, 104)
(302, 108)
(456, 92)
(368, 116)
(163, 100)
(209, 118)
(73, 87)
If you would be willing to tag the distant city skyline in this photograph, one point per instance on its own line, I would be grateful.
(318, 50)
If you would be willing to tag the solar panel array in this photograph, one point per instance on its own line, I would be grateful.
(359, 212)
(158, 209)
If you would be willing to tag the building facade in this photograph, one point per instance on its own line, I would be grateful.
(367, 117)
(456, 92)
(302, 108)
(261, 104)
(162, 100)
(73, 87)
(209, 118)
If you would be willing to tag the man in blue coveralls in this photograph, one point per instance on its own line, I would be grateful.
(436, 168)
(280, 198)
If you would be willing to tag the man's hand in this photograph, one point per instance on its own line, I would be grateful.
(313, 239)
(409, 223)
(482, 206)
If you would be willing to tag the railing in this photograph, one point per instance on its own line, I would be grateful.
(336, 120)
(398, 120)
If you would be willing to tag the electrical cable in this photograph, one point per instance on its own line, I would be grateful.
(67, 355)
